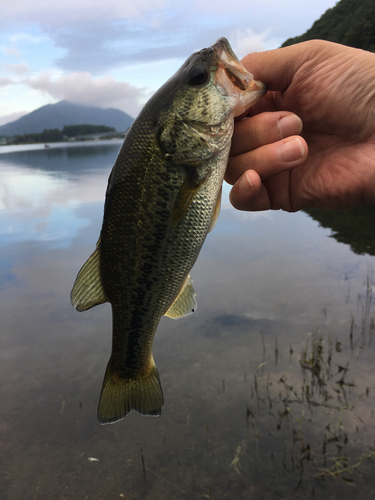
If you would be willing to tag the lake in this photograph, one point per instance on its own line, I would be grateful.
(269, 387)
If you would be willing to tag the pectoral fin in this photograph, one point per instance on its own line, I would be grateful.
(87, 290)
(185, 302)
(185, 196)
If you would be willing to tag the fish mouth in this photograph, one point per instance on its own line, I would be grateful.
(244, 82)
(232, 79)
(233, 68)
(237, 79)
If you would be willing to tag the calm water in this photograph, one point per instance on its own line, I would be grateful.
(269, 387)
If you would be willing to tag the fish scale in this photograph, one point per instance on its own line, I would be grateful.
(162, 199)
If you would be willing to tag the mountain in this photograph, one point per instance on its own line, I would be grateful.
(66, 113)
(349, 22)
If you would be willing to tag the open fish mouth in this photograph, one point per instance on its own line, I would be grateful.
(243, 82)
(232, 79)
(235, 78)
(233, 68)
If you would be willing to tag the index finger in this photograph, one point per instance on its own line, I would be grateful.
(264, 128)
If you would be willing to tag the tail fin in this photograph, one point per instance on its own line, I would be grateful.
(119, 397)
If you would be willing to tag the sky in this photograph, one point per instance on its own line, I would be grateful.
(117, 53)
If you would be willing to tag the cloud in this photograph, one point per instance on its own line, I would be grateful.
(28, 38)
(103, 46)
(101, 36)
(73, 12)
(18, 69)
(82, 88)
(137, 41)
(5, 82)
(12, 52)
(246, 41)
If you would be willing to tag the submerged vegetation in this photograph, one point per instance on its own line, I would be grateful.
(320, 416)
(307, 420)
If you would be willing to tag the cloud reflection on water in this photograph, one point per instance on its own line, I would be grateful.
(39, 201)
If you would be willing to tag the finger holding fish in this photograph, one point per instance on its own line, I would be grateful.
(265, 128)
(270, 159)
(258, 175)
(264, 145)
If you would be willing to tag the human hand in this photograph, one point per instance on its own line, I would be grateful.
(331, 165)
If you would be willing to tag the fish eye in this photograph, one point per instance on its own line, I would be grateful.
(198, 76)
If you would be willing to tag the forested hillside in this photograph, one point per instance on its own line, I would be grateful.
(56, 135)
(350, 22)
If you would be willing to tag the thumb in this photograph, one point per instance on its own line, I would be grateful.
(276, 68)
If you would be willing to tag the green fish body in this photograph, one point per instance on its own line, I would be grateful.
(162, 199)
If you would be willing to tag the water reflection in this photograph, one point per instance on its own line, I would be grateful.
(41, 190)
(268, 388)
(63, 157)
(354, 227)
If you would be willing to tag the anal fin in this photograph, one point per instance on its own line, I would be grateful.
(185, 302)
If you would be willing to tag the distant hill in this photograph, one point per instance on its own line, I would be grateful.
(349, 22)
(66, 113)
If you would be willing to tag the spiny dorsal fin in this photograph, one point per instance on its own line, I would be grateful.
(87, 290)
(215, 215)
(185, 302)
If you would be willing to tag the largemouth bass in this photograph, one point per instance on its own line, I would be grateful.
(162, 199)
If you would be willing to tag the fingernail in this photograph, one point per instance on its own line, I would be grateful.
(245, 183)
(291, 150)
(290, 125)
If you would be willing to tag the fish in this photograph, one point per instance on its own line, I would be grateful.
(162, 199)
